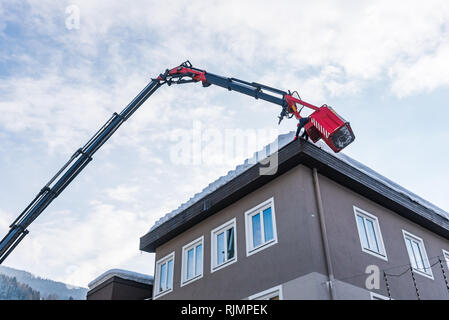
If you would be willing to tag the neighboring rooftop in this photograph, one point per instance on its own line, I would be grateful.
(340, 167)
(123, 274)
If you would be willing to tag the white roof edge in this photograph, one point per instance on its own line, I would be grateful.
(123, 274)
(280, 142)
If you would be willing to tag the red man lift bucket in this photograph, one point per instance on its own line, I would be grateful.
(326, 124)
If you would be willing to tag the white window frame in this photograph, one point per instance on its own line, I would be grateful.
(248, 227)
(376, 296)
(213, 239)
(267, 294)
(166, 259)
(378, 233)
(446, 257)
(184, 251)
(422, 247)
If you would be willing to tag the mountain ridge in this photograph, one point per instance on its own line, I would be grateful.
(48, 289)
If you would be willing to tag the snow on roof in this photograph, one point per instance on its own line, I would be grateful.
(373, 174)
(120, 273)
(281, 141)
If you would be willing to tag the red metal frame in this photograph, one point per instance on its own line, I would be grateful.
(194, 74)
(292, 101)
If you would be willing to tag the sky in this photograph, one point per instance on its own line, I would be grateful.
(66, 66)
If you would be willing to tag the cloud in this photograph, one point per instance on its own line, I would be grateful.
(123, 193)
(324, 49)
(5, 221)
(423, 75)
(75, 248)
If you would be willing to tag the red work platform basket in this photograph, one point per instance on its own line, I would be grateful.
(326, 124)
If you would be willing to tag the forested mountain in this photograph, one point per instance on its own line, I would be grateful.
(22, 285)
(10, 289)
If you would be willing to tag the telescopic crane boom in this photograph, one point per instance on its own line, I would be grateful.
(324, 124)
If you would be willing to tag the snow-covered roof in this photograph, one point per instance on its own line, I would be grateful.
(280, 142)
(391, 184)
(123, 274)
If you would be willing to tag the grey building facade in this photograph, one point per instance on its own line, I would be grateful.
(319, 228)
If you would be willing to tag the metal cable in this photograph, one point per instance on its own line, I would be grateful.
(414, 283)
(444, 274)
(387, 285)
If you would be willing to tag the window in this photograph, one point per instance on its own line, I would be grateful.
(417, 254)
(260, 225)
(223, 245)
(192, 261)
(164, 275)
(369, 233)
(270, 294)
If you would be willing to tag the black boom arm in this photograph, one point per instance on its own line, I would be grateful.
(79, 160)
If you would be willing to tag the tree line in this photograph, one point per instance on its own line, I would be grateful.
(11, 289)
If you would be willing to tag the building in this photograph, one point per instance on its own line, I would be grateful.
(117, 284)
(323, 226)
